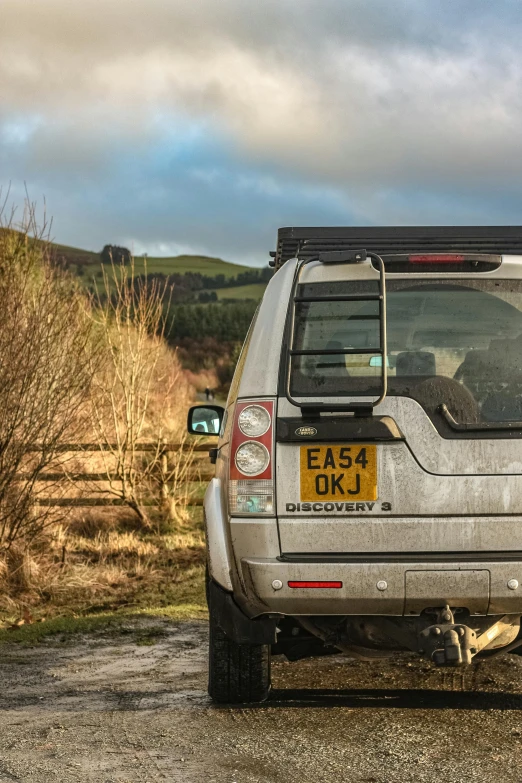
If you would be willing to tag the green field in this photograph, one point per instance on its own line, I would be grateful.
(205, 265)
(252, 291)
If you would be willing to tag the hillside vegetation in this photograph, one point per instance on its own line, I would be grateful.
(208, 302)
(249, 291)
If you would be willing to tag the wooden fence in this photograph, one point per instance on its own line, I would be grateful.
(162, 451)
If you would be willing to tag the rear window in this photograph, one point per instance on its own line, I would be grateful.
(454, 342)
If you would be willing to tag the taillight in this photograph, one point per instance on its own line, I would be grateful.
(251, 486)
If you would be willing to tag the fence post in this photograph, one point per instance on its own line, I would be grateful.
(164, 472)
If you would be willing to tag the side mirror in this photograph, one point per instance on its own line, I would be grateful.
(205, 419)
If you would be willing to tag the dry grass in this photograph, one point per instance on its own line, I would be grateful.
(103, 563)
(107, 562)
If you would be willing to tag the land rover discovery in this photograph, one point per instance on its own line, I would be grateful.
(368, 490)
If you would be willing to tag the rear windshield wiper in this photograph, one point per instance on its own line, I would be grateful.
(477, 427)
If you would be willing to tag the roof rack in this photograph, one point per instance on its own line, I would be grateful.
(305, 242)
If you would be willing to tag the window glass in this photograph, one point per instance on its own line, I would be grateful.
(457, 342)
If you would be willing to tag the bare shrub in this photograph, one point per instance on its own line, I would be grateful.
(140, 393)
(46, 363)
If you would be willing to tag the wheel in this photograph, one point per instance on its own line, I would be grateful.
(237, 673)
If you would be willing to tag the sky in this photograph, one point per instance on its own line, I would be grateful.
(201, 126)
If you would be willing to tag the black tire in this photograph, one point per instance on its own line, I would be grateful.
(237, 673)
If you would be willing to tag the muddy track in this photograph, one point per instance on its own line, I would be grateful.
(108, 709)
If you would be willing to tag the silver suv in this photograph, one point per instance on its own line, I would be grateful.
(368, 488)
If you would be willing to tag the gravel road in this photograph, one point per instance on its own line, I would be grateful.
(118, 708)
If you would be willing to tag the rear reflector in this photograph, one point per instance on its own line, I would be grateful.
(437, 258)
(330, 585)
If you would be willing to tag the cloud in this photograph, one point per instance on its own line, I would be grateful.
(364, 110)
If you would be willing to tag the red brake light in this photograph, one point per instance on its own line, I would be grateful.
(426, 262)
(330, 585)
(437, 258)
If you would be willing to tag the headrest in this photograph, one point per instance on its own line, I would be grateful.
(415, 363)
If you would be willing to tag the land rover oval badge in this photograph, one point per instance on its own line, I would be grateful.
(306, 432)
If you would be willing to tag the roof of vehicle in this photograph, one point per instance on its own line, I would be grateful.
(306, 242)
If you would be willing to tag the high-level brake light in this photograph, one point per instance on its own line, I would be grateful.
(447, 263)
(437, 258)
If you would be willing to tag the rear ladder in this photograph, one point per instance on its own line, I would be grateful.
(339, 257)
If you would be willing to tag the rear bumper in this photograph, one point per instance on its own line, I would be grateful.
(410, 587)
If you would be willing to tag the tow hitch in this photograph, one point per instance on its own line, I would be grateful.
(434, 634)
(448, 643)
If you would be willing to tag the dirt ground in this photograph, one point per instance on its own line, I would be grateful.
(133, 707)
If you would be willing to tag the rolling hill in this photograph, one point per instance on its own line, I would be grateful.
(205, 265)
(86, 263)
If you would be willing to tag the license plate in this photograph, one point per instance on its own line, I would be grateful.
(340, 472)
